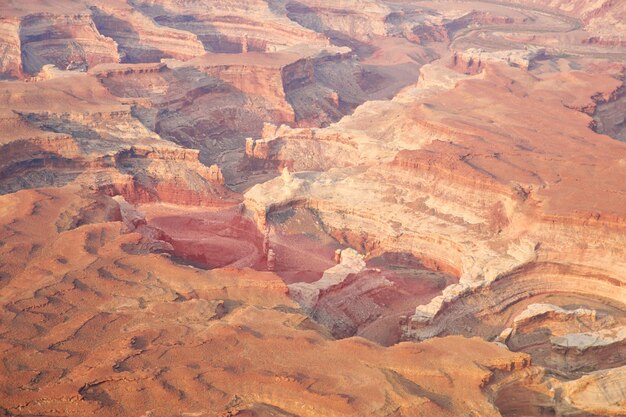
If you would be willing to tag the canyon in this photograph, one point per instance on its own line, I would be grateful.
(313, 208)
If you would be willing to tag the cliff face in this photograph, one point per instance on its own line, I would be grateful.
(167, 174)
(231, 27)
(67, 41)
(365, 19)
(473, 61)
(213, 102)
(608, 114)
(140, 39)
(10, 49)
(265, 82)
(141, 327)
(461, 174)
(101, 146)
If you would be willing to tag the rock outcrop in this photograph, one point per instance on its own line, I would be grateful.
(600, 393)
(308, 294)
(66, 41)
(101, 146)
(213, 102)
(366, 17)
(472, 61)
(140, 39)
(231, 27)
(10, 48)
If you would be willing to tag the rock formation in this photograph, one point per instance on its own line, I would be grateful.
(367, 18)
(99, 144)
(312, 207)
(140, 39)
(228, 26)
(68, 41)
(10, 48)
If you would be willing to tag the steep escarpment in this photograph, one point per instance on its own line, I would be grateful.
(213, 102)
(102, 146)
(169, 175)
(231, 27)
(198, 105)
(472, 61)
(567, 340)
(139, 173)
(538, 393)
(140, 39)
(608, 114)
(10, 48)
(67, 41)
(365, 19)
(533, 262)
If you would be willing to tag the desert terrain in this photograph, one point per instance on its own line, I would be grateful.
(313, 208)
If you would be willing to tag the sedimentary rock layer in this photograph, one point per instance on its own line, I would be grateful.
(140, 39)
(452, 190)
(67, 41)
(102, 146)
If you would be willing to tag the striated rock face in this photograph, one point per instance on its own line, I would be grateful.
(169, 175)
(10, 48)
(553, 336)
(533, 392)
(366, 17)
(230, 27)
(381, 294)
(608, 115)
(67, 41)
(213, 102)
(600, 393)
(140, 39)
(308, 294)
(102, 146)
(584, 341)
(540, 312)
(454, 173)
(472, 61)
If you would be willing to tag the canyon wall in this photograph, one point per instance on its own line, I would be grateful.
(10, 48)
(67, 41)
(140, 39)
